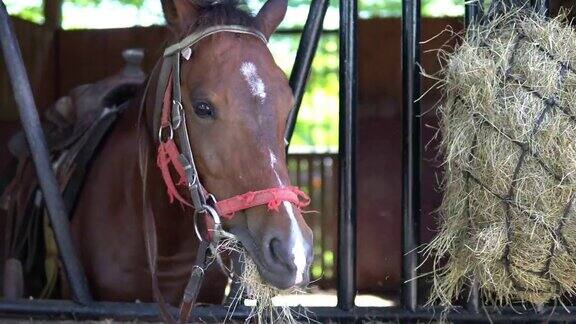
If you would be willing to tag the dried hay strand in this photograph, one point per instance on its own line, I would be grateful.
(253, 287)
(508, 125)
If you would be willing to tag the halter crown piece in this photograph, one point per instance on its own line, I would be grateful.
(172, 121)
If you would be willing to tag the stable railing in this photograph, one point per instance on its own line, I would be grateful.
(317, 175)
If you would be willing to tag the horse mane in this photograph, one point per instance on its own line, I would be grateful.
(220, 12)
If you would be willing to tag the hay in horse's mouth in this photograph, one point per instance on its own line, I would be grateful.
(252, 286)
(249, 246)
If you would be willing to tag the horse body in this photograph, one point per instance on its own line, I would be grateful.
(108, 230)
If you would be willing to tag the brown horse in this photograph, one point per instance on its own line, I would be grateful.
(236, 100)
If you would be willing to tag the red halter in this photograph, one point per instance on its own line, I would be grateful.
(168, 153)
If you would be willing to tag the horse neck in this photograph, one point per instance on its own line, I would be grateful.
(173, 222)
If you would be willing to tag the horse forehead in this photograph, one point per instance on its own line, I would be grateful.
(234, 49)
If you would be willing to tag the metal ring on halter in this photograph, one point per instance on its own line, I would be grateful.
(215, 217)
(199, 268)
(180, 108)
(194, 180)
(161, 132)
(211, 200)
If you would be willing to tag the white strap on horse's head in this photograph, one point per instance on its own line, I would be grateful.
(194, 38)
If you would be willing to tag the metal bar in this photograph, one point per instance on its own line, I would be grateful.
(42, 309)
(37, 143)
(323, 213)
(299, 31)
(346, 155)
(411, 150)
(542, 6)
(473, 304)
(472, 11)
(303, 61)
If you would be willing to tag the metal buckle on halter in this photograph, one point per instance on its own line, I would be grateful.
(216, 231)
(211, 200)
(191, 174)
(170, 134)
(177, 110)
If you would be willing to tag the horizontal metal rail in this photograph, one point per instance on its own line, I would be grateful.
(55, 309)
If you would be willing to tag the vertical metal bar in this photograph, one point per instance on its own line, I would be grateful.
(411, 150)
(473, 304)
(323, 213)
(542, 6)
(298, 171)
(346, 154)
(303, 61)
(472, 11)
(37, 143)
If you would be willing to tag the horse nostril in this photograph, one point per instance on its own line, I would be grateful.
(280, 254)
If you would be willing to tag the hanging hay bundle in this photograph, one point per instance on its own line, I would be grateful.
(509, 139)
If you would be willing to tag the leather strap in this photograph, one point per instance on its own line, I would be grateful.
(194, 38)
(195, 282)
(149, 225)
(181, 129)
(163, 79)
(151, 239)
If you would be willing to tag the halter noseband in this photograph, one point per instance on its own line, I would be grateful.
(173, 122)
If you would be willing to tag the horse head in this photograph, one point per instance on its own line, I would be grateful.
(236, 100)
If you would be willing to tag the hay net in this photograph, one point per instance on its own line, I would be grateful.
(508, 124)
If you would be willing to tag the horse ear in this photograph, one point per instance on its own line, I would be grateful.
(271, 15)
(179, 14)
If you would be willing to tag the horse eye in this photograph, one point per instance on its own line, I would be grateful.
(203, 109)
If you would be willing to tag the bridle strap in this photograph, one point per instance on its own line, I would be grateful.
(163, 79)
(271, 197)
(149, 226)
(194, 38)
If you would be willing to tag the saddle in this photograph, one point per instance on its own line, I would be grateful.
(74, 127)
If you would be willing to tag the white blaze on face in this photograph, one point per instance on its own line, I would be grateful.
(296, 238)
(255, 83)
(297, 241)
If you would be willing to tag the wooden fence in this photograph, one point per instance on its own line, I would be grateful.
(317, 175)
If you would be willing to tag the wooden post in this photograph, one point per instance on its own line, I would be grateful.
(52, 14)
(47, 56)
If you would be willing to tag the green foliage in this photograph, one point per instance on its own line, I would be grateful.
(32, 13)
(318, 117)
(393, 8)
